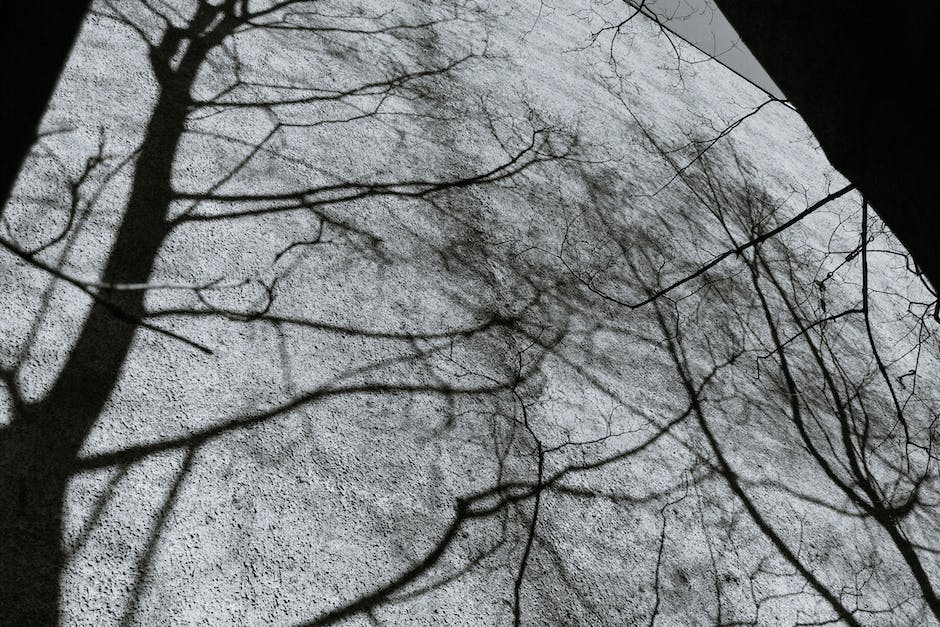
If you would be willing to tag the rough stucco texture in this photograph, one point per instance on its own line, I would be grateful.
(387, 348)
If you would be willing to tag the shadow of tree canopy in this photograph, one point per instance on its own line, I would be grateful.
(365, 345)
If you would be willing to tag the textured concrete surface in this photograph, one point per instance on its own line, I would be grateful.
(415, 342)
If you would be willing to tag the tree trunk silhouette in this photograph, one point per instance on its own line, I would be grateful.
(39, 447)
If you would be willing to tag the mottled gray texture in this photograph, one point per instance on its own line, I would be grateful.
(437, 339)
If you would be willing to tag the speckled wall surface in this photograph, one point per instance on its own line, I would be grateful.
(386, 364)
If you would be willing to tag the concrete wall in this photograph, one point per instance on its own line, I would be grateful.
(393, 373)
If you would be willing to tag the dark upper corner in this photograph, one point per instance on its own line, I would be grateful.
(864, 77)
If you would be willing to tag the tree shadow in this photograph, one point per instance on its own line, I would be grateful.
(39, 447)
(541, 344)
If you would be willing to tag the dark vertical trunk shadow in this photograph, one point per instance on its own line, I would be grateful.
(39, 447)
